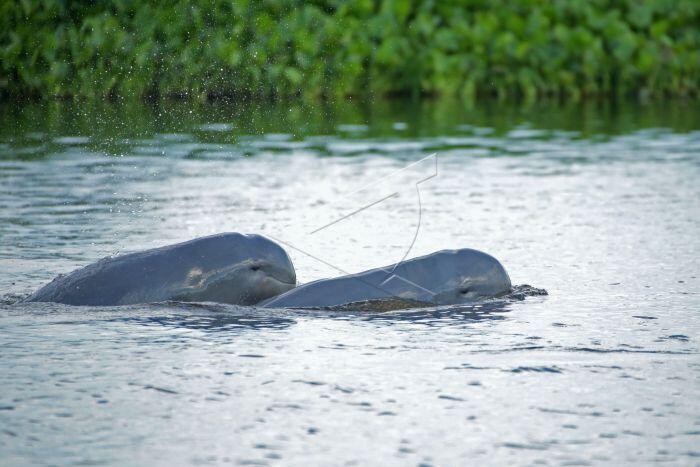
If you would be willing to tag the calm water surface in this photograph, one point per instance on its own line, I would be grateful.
(600, 205)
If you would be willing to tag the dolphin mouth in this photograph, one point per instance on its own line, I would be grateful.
(274, 286)
(280, 283)
(283, 276)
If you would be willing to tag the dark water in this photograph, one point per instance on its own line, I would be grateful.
(599, 204)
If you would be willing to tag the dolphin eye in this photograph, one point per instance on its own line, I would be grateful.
(255, 267)
(464, 291)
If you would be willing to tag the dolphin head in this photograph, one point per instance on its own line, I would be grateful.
(262, 279)
(466, 275)
(264, 272)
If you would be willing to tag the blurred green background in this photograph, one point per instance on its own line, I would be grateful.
(337, 49)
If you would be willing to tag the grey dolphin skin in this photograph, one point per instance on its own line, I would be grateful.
(442, 278)
(228, 268)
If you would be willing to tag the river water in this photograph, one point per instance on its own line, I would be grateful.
(597, 204)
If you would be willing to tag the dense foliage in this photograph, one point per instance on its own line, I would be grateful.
(333, 48)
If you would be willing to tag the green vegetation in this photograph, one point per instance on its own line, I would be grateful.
(339, 48)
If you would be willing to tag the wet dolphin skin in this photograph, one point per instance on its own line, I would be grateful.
(441, 278)
(228, 268)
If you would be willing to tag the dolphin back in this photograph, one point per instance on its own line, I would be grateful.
(156, 274)
(423, 279)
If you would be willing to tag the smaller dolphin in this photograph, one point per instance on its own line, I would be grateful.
(228, 268)
(442, 278)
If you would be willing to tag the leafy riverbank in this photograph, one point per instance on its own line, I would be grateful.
(332, 49)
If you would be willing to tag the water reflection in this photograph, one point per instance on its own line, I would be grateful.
(217, 317)
(208, 317)
(453, 315)
(237, 320)
(209, 323)
(104, 126)
(597, 203)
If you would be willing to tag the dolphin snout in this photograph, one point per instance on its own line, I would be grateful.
(284, 275)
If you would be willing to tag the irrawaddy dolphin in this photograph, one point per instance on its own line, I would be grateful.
(442, 278)
(228, 268)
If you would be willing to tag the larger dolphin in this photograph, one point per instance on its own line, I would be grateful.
(441, 278)
(228, 268)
